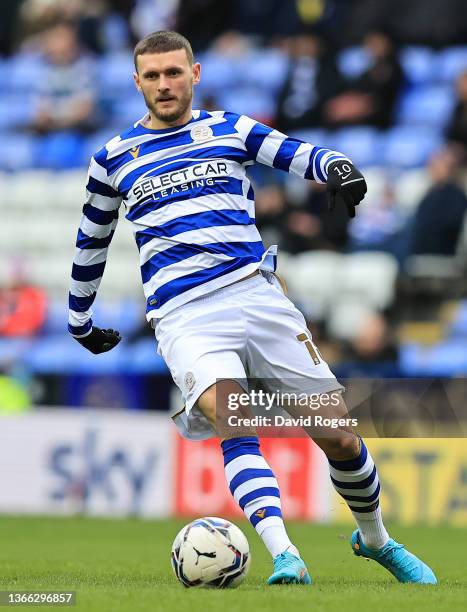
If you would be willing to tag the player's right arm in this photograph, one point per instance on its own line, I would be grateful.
(97, 226)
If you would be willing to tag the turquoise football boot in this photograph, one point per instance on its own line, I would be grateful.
(402, 564)
(289, 569)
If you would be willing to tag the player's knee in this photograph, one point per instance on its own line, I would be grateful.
(207, 404)
(215, 406)
(341, 448)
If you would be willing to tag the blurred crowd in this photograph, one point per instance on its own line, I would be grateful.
(385, 82)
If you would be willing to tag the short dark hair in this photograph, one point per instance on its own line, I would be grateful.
(162, 42)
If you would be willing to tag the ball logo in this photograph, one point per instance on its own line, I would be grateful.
(201, 132)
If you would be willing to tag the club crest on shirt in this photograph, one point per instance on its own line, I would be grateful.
(189, 381)
(199, 133)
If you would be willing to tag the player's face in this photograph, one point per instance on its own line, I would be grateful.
(166, 81)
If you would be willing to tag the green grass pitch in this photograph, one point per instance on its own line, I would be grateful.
(124, 565)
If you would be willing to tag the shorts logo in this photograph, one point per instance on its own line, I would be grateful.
(189, 381)
(260, 513)
(201, 132)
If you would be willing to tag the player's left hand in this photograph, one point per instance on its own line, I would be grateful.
(345, 184)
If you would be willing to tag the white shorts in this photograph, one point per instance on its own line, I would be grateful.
(247, 330)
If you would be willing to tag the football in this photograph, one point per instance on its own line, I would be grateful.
(210, 552)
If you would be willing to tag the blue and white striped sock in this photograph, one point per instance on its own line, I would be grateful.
(357, 481)
(256, 490)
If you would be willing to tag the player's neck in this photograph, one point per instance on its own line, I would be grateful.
(153, 123)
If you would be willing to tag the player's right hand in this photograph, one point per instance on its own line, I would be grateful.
(100, 340)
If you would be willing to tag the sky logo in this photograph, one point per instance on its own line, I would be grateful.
(93, 474)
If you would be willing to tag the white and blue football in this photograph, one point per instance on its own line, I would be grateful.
(210, 552)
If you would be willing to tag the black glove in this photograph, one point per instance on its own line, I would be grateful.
(100, 340)
(345, 184)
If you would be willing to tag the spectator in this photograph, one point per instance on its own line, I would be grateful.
(435, 23)
(370, 99)
(22, 309)
(298, 229)
(270, 207)
(457, 130)
(312, 227)
(65, 95)
(149, 16)
(8, 25)
(381, 226)
(438, 220)
(201, 21)
(373, 340)
(312, 80)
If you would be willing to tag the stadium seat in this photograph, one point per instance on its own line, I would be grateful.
(361, 144)
(59, 150)
(4, 76)
(115, 72)
(18, 152)
(126, 111)
(248, 100)
(96, 141)
(266, 69)
(219, 73)
(345, 317)
(26, 71)
(370, 278)
(376, 179)
(60, 354)
(428, 105)
(443, 268)
(353, 61)
(419, 65)
(68, 191)
(451, 62)
(409, 146)
(126, 315)
(142, 357)
(458, 325)
(15, 111)
(313, 279)
(313, 136)
(31, 190)
(410, 188)
(44, 233)
(12, 350)
(448, 358)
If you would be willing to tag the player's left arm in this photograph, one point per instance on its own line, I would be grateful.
(345, 183)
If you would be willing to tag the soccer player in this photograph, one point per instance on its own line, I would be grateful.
(216, 307)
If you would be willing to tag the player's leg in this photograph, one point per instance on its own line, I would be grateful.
(199, 349)
(355, 477)
(352, 470)
(252, 482)
(282, 351)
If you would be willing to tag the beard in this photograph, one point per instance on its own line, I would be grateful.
(173, 114)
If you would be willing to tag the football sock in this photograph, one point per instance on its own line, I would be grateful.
(255, 489)
(356, 480)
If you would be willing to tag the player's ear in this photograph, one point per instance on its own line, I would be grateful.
(136, 80)
(196, 73)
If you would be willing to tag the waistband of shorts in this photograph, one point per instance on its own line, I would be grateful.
(238, 287)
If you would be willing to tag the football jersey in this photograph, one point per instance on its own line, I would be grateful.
(186, 193)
